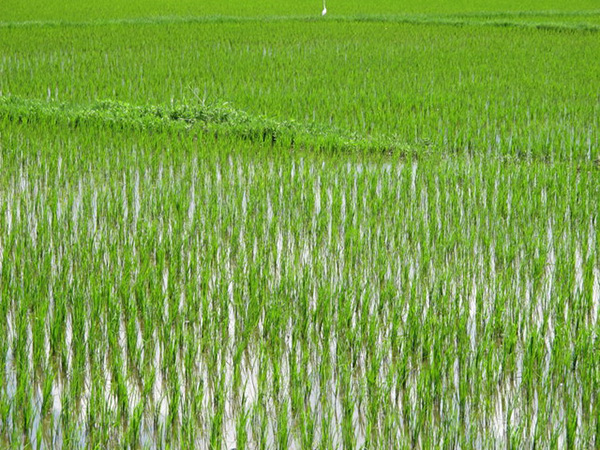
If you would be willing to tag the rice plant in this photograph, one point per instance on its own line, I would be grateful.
(373, 229)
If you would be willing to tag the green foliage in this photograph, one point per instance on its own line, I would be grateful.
(216, 120)
(377, 229)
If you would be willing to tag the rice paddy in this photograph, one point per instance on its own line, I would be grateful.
(246, 225)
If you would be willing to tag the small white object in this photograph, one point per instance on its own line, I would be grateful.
(324, 9)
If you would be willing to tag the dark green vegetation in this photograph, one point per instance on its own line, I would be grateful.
(367, 231)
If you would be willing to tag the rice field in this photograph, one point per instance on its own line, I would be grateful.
(244, 225)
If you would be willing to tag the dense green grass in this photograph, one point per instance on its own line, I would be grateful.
(201, 118)
(243, 225)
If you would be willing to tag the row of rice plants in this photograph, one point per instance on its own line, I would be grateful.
(162, 289)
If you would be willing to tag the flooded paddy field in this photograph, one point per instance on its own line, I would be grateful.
(253, 225)
(220, 295)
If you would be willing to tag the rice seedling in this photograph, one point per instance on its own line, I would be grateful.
(250, 243)
(282, 305)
